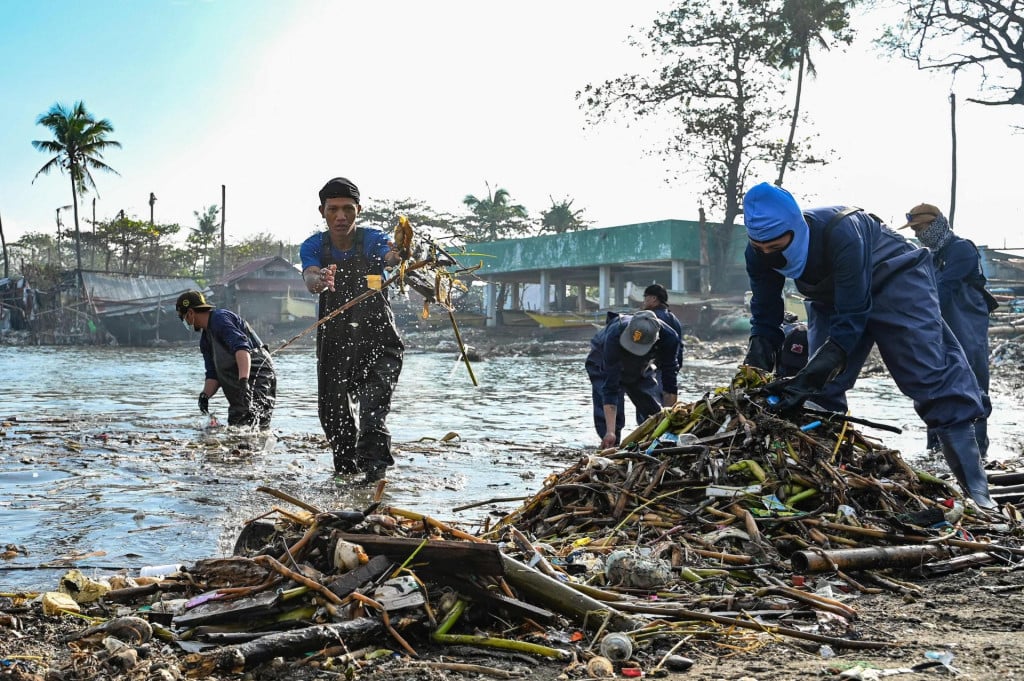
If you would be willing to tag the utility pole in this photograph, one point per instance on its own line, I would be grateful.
(952, 188)
(3, 243)
(152, 200)
(223, 210)
(92, 260)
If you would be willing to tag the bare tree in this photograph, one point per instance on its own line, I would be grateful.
(956, 35)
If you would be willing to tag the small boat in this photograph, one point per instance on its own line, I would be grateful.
(561, 320)
(517, 318)
(297, 308)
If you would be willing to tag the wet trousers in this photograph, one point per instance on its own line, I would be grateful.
(921, 353)
(645, 394)
(353, 414)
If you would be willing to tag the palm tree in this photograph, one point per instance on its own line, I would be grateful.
(561, 218)
(494, 216)
(802, 24)
(204, 235)
(78, 143)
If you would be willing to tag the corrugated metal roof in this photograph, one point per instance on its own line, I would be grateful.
(120, 294)
(250, 267)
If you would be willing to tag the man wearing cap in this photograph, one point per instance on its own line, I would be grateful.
(962, 299)
(620, 363)
(865, 285)
(656, 300)
(236, 361)
(359, 352)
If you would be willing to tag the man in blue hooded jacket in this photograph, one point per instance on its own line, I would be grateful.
(961, 286)
(865, 286)
(621, 362)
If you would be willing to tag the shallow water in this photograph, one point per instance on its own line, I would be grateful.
(110, 465)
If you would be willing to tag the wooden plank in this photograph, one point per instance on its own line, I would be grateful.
(352, 580)
(492, 598)
(455, 557)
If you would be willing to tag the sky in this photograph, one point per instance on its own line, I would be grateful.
(436, 100)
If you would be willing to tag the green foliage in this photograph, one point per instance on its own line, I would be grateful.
(203, 238)
(494, 217)
(78, 143)
(383, 215)
(714, 72)
(799, 27)
(561, 218)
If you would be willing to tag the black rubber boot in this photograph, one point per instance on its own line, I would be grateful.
(960, 449)
(981, 435)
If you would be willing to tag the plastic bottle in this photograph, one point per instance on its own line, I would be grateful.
(159, 570)
(617, 647)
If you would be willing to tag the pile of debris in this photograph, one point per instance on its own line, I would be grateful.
(715, 525)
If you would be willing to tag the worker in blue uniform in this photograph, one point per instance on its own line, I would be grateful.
(359, 351)
(656, 300)
(865, 286)
(237, 362)
(620, 363)
(964, 302)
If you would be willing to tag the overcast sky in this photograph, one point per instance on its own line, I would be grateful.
(432, 100)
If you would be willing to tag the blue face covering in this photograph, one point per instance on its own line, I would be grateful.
(768, 213)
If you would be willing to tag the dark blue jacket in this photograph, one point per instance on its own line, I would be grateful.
(610, 363)
(665, 315)
(957, 275)
(844, 273)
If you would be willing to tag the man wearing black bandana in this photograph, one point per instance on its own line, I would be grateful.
(865, 286)
(961, 285)
(359, 352)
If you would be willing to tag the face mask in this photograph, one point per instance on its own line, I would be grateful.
(188, 327)
(935, 235)
(794, 256)
(775, 260)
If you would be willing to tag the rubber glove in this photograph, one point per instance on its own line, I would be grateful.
(760, 353)
(827, 363)
(204, 403)
(246, 394)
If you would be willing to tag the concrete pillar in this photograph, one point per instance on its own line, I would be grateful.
(679, 276)
(490, 303)
(604, 285)
(620, 289)
(581, 298)
(545, 290)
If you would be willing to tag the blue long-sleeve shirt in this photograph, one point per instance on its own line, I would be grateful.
(226, 328)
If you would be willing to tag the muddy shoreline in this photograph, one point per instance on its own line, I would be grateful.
(970, 621)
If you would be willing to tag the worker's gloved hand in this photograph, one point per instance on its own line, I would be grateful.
(204, 403)
(791, 393)
(245, 391)
(760, 353)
